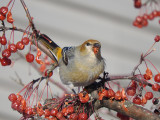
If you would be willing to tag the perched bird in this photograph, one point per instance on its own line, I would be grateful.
(79, 65)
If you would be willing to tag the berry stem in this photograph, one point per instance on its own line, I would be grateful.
(150, 50)
(41, 94)
(24, 87)
(152, 65)
(12, 5)
(9, 3)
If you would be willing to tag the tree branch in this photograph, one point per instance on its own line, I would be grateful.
(128, 108)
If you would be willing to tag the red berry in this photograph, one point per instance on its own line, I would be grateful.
(131, 91)
(48, 74)
(47, 113)
(137, 100)
(5, 61)
(144, 101)
(20, 45)
(139, 19)
(118, 95)
(157, 38)
(155, 101)
(9, 17)
(147, 77)
(12, 97)
(134, 84)
(156, 111)
(3, 10)
(158, 13)
(73, 116)
(119, 115)
(29, 110)
(64, 111)
(111, 93)
(155, 13)
(59, 115)
(25, 40)
(6, 53)
(144, 22)
(21, 108)
(19, 97)
(30, 57)
(157, 78)
(12, 47)
(150, 16)
(122, 117)
(23, 103)
(15, 105)
(40, 112)
(145, 16)
(70, 109)
(103, 93)
(135, 23)
(3, 40)
(137, 3)
(155, 87)
(83, 97)
(8, 61)
(82, 116)
(54, 112)
(2, 17)
(149, 95)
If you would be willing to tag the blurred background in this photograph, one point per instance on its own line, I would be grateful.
(70, 23)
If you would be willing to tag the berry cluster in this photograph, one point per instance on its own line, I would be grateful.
(109, 93)
(142, 21)
(132, 89)
(137, 3)
(19, 104)
(3, 13)
(135, 89)
(148, 12)
(58, 110)
(11, 48)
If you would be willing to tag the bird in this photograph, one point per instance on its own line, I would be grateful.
(78, 65)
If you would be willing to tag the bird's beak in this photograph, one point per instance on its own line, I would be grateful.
(96, 47)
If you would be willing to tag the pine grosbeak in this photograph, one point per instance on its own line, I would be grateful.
(78, 65)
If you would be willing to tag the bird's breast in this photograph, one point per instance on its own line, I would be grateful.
(81, 73)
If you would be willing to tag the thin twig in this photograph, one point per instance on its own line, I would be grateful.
(28, 16)
(19, 80)
(3, 28)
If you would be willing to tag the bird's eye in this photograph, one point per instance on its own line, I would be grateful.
(88, 44)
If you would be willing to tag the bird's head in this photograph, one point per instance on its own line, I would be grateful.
(91, 46)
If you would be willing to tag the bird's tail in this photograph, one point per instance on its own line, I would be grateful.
(53, 48)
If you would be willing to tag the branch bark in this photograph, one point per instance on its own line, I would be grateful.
(128, 108)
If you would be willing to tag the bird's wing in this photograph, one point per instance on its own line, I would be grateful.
(67, 54)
